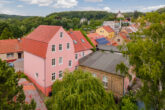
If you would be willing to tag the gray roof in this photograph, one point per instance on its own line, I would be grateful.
(108, 48)
(104, 61)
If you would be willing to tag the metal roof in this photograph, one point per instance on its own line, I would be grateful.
(103, 61)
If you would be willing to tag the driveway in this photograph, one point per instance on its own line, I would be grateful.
(31, 93)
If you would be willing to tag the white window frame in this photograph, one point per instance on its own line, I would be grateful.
(10, 55)
(54, 62)
(76, 57)
(61, 47)
(69, 63)
(75, 42)
(83, 54)
(53, 78)
(60, 72)
(36, 75)
(61, 34)
(82, 40)
(54, 48)
(94, 75)
(60, 63)
(67, 46)
(105, 81)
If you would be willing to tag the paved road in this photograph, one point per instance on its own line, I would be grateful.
(31, 93)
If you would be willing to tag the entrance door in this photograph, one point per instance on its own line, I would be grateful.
(19, 55)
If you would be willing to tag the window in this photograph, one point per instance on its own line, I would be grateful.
(68, 45)
(70, 63)
(61, 34)
(75, 41)
(60, 47)
(76, 67)
(83, 54)
(76, 56)
(53, 76)
(36, 74)
(105, 82)
(82, 40)
(118, 40)
(53, 48)
(94, 75)
(53, 62)
(10, 55)
(60, 74)
(60, 60)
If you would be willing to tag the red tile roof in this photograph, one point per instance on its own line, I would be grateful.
(37, 41)
(94, 36)
(108, 29)
(124, 36)
(79, 46)
(10, 46)
(43, 33)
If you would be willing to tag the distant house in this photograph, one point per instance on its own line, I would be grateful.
(106, 31)
(49, 51)
(121, 38)
(11, 49)
(113, 24)
(120, 15)
(102, 64)
(94, 36)
(82, 20)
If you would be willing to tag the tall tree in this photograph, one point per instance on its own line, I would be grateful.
(80, 91)
(11, 94)
(147, 58)
(6, 34)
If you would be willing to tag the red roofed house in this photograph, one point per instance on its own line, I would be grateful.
(106, 31)
(81, 45)
(121, 38)
(48, 52)
(93, 37)
(11, 50)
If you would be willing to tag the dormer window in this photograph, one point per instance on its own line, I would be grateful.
(61, 34)
(75, 41)
(82, 40)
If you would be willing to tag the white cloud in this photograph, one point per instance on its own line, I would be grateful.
(93, 0)
(107, 9)
(19, 6)
(65, 3)
(54, 3)
(39, 2)
(151, 8)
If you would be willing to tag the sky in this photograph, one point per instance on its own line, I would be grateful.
(46, 7)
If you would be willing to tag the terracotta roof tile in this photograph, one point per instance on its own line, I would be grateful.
(37, 41)
(108, 29)
(10, 46)
(80, 45)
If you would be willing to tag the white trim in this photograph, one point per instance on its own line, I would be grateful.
(59, 47)
(59, 61)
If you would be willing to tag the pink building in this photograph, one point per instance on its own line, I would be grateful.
(48, 52)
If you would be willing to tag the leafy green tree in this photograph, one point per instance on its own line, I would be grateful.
(128, 102)
(80, 91)
(6, 34)
(147, 58)
(11, 94)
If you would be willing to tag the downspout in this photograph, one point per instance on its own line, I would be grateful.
(45, 75)
(123, 87)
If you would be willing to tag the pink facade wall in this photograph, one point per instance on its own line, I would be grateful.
(32, 65)
(67, 54)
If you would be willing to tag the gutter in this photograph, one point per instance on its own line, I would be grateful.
(45, 75)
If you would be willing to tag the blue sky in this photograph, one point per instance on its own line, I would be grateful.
(45, 7)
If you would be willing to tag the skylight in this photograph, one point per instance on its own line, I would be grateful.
(82, 40)
(75, 41)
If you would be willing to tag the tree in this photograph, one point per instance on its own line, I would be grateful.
(128, 102)
(147, 58)
(6, 34)
(11, 94)
(79, 90)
